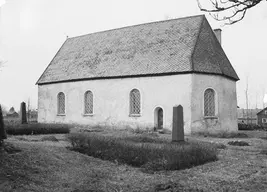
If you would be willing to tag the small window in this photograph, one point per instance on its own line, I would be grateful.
(135, 104)
(265, 112)
(88, 102)
(209, 103)
(264, 120)
(61, 103)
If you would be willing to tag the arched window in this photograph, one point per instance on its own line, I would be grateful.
(61, 103)
(135, 102)
(88, 102)
(209, 102)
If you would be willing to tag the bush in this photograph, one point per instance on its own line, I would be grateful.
(250, 127)
(223, 134)
(145, 153)
(238, 143)
(38, 128)
(264, 151)
(49, 138)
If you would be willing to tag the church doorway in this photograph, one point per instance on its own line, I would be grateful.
(158, 118)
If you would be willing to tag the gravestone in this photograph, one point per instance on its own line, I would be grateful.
(2, 128)
(23, 116)
(177, 124)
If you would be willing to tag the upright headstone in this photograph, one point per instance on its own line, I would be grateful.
(23, 113)
(2, 128)
(178, 124)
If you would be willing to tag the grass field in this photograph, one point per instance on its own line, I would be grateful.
(44, 165)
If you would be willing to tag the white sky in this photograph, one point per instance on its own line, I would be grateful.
(32, 31)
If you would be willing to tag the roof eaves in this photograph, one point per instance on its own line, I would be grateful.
(134, 76)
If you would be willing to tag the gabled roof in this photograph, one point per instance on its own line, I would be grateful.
(184, 45)
(262, 110)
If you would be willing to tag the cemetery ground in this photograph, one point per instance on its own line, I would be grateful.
(44, 163)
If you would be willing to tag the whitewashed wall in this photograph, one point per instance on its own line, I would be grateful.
(111, 101)
(226, 104)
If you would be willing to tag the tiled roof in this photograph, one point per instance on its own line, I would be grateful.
(164, 47)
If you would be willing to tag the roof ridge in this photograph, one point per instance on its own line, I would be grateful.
(130, 26)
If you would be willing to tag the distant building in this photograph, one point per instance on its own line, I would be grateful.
(247, 116)
(12, 113)
(262, 117)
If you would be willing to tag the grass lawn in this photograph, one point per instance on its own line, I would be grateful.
(49, 166)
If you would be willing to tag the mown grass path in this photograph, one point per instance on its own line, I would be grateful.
(49, 166)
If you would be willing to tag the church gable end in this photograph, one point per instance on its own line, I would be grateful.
(208, 55)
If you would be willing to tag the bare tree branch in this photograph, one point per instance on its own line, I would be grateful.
(2, 62)
(229, 11)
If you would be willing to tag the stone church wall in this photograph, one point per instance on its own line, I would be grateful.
(225, 101)
(111, 101)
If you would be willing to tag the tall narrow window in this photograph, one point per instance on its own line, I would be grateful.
(88, 102)
(209, 102)
(61, 103)
(135, 102)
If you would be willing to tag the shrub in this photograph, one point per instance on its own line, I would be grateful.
(223, 134)
(145, 153)
(146, 130)
(38, 128)
(250, 127)
(238, 143)
(49, 138)
(264, 151)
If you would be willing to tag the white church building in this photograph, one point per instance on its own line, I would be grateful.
(134, 76)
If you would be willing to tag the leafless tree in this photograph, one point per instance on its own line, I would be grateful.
(246, 92)
(229, 11)
(263, 95)
(2, 62)
(29, 110)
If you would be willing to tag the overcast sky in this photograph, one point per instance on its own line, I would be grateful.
(32, 31)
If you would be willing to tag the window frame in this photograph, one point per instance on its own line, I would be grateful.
(58, 110)
(265, 112)
(215, 116)
(84, 95)
(140, 104)
(264, 119)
